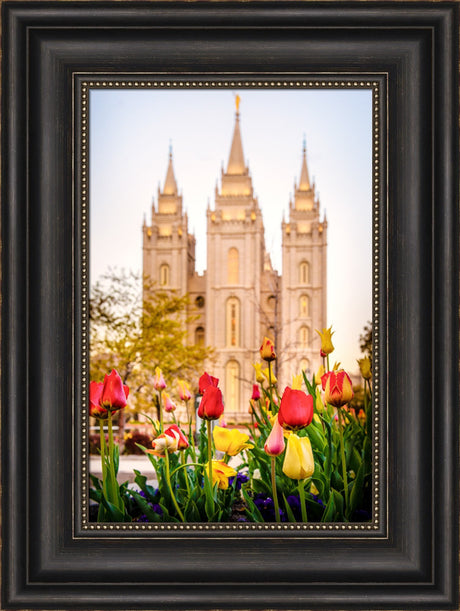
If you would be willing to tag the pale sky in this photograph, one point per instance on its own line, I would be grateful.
(130, 135)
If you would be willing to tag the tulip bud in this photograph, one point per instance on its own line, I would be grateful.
(319, 403)
(259, 375)
(338, 389)
(326, 341)
(298, 461)
(158, 380)
(168, 404)
(255, 392)
(206, 380)
(211, 405)
(296, 409)
(274, 446)
(95, 408)
(114, 392)
(184, 390)
(319, 374)
(267, 350)
(297, 382)
(269, 376)
(365, 367)
(362, 417)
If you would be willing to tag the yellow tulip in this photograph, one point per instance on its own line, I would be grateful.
(230, 441)
(220, 473)
(259, 375)
(319, 374)
(326, 340)
(297, 382)
(298, 461)
(365, 367)
(319, 402)
(336, 366)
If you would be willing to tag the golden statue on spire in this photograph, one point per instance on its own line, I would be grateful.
(237, 103)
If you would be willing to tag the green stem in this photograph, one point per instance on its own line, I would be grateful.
(168, 480)
(344, 463)
(189, 464)
(161, 411)
(208, 426)
(270, 390)
(303, 506)
(328, 366)
(184, 464)
(365, 397)
(115, 493)
(105, 482)
(274, 492)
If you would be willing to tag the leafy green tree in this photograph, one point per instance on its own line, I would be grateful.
(135, 328)
(365, 340)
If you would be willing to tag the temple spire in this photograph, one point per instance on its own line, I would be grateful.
(170, 187)
(304, 183)
(236, 163)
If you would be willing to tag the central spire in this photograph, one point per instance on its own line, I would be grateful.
(236, 160)
(304, 183)
(170, 187)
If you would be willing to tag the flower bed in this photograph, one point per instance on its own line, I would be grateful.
(306, 456)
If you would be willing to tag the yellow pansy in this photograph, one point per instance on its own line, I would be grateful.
(230, 441)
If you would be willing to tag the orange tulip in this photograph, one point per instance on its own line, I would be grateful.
(267, 350)
(338, 388)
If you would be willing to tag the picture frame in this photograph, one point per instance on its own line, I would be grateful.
(410, 561)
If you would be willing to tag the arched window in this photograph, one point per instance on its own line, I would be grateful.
(304, 306)
(164, 274)
(233, 266)
(232, 322)
(199, 336)
(304, 273)
(304, 337)
(232, 386)
(305, 366)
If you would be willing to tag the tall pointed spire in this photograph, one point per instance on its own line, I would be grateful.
(304, 183)
(236, 160)
(170, 187)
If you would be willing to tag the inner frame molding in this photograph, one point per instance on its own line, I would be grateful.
(82, 86)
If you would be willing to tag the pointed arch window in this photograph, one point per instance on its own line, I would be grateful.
(199, 336)
(164, 274)
(232, 386)
(233, 266)
(304, 337)
(232, 325)
(304, 306)
(304, 273)
(304, 365)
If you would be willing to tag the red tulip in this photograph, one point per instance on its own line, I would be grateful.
(211, 405)
(109, 395)
(296, 409)
(255, 392)
(182, 441)
(338, 389)
(207, 380)
(171, 440)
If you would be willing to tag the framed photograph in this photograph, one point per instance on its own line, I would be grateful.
(354, 105)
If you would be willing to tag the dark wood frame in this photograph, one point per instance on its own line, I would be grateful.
(47, 562)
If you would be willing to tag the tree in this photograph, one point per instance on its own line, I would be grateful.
(365, 340)
(136, 328)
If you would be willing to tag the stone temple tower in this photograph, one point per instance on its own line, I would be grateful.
(304, 278)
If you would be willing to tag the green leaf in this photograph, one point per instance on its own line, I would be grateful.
(252, 508)
(145, 507)
(356, 495)
(112, 512)
(289, 513)
(329, 512)
(338, 502)
(316, 438)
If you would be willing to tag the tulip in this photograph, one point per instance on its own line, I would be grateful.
(319, 374)
(169, 405)
(298, 461)
(362, 417)
(158, 380)
(220, 473)
(297, 382)
(171, 440)
(114, 393)
(365, 367)
(338, 388)
(326, 341)
(274, 446)
(319, 403)
(95, 408)
(184, 390)
(211, 405)
(267, 350)
(259, 375)
(296, 410)
(230, 441)
(206, 380)
(255, 392)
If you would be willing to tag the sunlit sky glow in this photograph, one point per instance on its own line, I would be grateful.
(130, 135)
